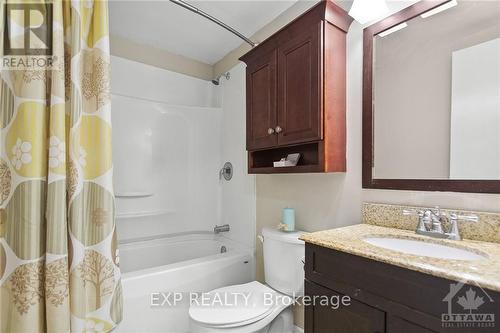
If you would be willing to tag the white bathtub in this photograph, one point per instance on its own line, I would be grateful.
(187, 263)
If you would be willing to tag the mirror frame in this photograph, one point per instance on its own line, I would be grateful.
(451, 185)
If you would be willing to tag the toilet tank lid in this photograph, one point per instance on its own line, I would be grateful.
(283, 236)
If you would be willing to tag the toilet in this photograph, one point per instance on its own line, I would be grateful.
(254, 307)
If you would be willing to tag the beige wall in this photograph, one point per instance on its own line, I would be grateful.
(124, 48)
(321, 201)
(327, 201)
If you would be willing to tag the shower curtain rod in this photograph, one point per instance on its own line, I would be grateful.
(213, 19)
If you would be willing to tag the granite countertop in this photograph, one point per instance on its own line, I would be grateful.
(484, 272)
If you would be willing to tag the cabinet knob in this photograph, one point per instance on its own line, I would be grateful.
(270, 131)
(278, 129)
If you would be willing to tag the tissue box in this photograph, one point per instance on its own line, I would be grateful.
(283, 163)
(290, 160)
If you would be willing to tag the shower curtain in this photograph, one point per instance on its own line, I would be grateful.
(59, 268)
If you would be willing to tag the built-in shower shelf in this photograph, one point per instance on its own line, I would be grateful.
(143, 214)
(133, 194)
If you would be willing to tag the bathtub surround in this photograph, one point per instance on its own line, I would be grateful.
(58, 246)
(238, 198)
(134, 179)
(197, 127)
(184, 119)
(185, 169)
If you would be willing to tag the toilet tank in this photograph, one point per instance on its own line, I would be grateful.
(284, 253)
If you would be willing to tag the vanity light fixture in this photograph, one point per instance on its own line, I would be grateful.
(365, 11)
(393, 29)
(439, 9)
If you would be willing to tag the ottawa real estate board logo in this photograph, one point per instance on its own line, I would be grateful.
(27, 36)
(469, 306)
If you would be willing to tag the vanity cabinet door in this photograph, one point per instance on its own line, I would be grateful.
(300, 86)
(261, 101)
(355, 318)
(398, 325)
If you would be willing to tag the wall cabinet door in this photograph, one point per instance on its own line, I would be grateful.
(355, 318)
(300, 86)
(261, 102)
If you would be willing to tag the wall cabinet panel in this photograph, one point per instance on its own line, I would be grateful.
(261, 102)
(299, 84)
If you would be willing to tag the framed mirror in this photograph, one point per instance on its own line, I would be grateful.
(431, 98)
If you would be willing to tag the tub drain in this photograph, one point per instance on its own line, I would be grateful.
(223, 249)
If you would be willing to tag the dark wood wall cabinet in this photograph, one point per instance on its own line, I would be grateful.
(386, 298)
(296, 94)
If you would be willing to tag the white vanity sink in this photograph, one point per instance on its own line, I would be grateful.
(421, 248)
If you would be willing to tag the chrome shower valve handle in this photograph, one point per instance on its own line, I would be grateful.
(227, 171)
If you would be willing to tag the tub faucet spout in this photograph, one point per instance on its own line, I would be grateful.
(221, 228)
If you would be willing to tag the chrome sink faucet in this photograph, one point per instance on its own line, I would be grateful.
(430, 222)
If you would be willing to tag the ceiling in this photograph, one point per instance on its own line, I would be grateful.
(167, 26)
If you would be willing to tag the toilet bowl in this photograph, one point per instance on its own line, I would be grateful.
(259, 309)
(254, 307)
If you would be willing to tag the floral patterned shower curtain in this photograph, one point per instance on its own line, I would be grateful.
(58, 248)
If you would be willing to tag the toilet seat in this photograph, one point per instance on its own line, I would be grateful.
(259, 303)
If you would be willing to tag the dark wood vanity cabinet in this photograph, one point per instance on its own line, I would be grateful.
(355, 318)
(295, 84)
(386, 298)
